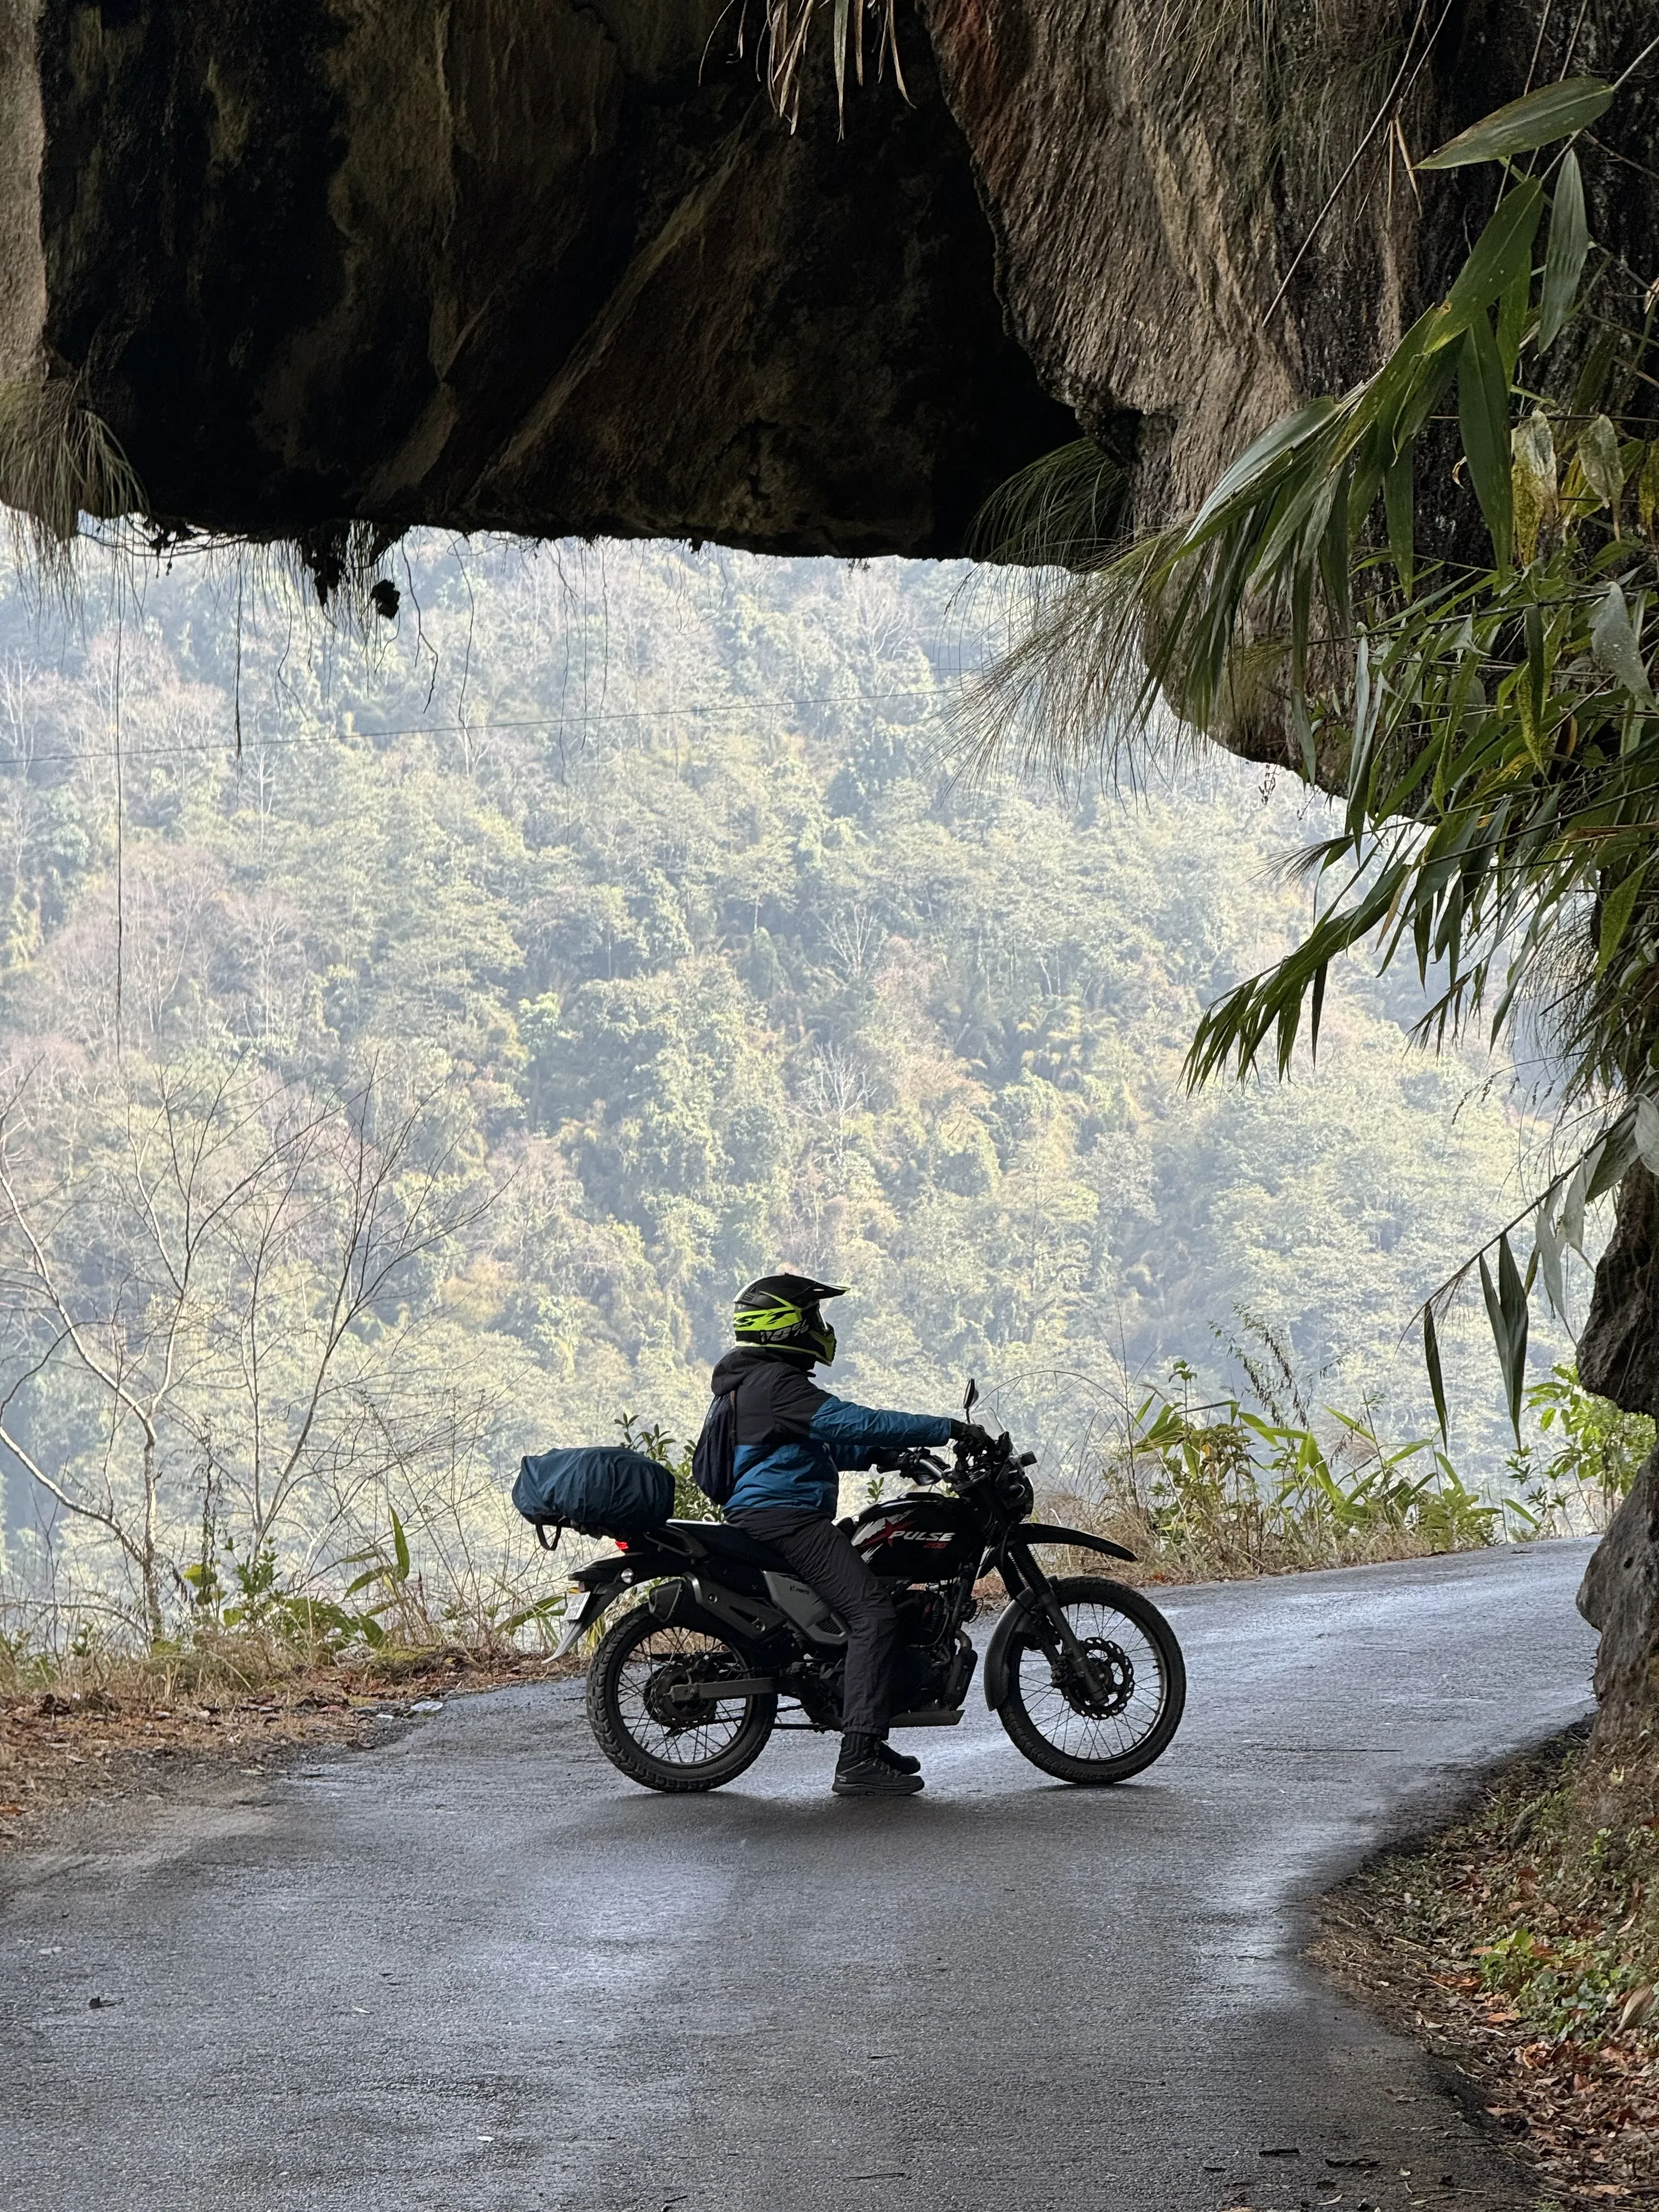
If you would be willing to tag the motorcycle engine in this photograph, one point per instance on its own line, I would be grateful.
(924, 1615)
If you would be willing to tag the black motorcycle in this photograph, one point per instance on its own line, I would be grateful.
(683, 1690)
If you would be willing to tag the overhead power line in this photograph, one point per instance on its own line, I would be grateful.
(579, 719)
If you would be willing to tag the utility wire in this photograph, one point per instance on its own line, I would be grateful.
(338, 731)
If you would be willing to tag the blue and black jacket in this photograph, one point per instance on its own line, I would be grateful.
(794, 1440)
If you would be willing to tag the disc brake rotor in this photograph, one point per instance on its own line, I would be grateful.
(1110, 1665)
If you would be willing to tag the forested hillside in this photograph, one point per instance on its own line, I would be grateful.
(410, 1047)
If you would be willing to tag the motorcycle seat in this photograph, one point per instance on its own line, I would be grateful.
(724, 1542)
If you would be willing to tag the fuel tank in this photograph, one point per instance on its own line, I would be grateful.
(919, 1538)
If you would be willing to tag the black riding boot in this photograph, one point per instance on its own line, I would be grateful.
(862, 1771)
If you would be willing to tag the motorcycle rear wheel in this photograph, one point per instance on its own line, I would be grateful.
(632, 1680)
(1047, 1716)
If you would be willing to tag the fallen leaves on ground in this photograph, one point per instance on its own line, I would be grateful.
(1520, 1944)
(61, 1747)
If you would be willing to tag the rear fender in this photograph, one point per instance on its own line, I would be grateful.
(645, 1558)
(580, 1615)
(613, 1575)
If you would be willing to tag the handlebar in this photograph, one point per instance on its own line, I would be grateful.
(919, 1465)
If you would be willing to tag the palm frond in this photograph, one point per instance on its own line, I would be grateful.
(1492, 727)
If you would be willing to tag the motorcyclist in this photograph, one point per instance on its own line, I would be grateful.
(792, 1440)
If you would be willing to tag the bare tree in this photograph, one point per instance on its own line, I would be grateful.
(210, 1256)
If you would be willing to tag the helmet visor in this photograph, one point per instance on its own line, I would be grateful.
(817, 1336)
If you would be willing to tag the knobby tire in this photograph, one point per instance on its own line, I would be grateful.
(618, 1716)
(1089, 1602)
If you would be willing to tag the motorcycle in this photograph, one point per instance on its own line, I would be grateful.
(684, 1689)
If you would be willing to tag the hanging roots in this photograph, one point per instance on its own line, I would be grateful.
(789, 30)
(57, 462)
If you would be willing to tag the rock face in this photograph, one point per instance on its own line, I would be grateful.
(542, 265)
(1619, 1358)
(1203, 213)
(554, 266)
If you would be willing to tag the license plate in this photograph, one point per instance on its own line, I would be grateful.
(574, 1621)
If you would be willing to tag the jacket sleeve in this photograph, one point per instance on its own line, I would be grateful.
(855, 1436)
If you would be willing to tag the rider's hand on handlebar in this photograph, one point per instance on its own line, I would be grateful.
(971, 1434)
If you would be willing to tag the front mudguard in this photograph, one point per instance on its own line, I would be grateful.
(998, 1674)
(1033, 1532)
(1043, 1531)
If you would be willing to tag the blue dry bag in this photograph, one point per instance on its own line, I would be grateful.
(600, 1490)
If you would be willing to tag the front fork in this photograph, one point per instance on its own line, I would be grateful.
(1022, 1576)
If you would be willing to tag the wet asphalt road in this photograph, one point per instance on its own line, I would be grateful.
(477, 1969)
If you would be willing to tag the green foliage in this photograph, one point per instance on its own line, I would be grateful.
(1536, 119)
(1232, 1485)
(265, 1599)
(1600, 1448)
(1563, 1986)
(1490, 721)
(652, 930)
(689, 1503)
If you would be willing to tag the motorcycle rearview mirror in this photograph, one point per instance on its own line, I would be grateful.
(970, 1400)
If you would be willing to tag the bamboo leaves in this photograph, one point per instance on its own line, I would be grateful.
(1563, 257)
(1614, 642)
(1483, 415)
(1647, 492)
(1501, 253)
(1534, 484)
(1551, 112)
(1507, 1311)
(1431, 1362)
(1495, 727)
(1599, 460)
(1616, 910)
(1399, 506)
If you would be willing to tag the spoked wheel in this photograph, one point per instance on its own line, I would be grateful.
(649, 1708)
(1111, 1731)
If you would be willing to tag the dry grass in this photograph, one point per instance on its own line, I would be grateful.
(111, 1726)
(789, 28)
(1522, 1945)
(1231, 1547)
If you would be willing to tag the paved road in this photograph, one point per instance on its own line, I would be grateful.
(475, 1970)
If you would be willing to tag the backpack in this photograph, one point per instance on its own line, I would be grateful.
(714, 1458)
(600, 1489)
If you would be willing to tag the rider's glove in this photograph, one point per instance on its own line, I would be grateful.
(971, 1434)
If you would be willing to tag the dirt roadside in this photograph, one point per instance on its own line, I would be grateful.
(1519, 1946)
(61, 1748)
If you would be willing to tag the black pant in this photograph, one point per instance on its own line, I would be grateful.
(821, 1554)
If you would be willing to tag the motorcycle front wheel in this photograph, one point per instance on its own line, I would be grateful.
(1107, 1734)
(649, 1717)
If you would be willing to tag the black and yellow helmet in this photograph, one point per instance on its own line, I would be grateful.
(783, 1310)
